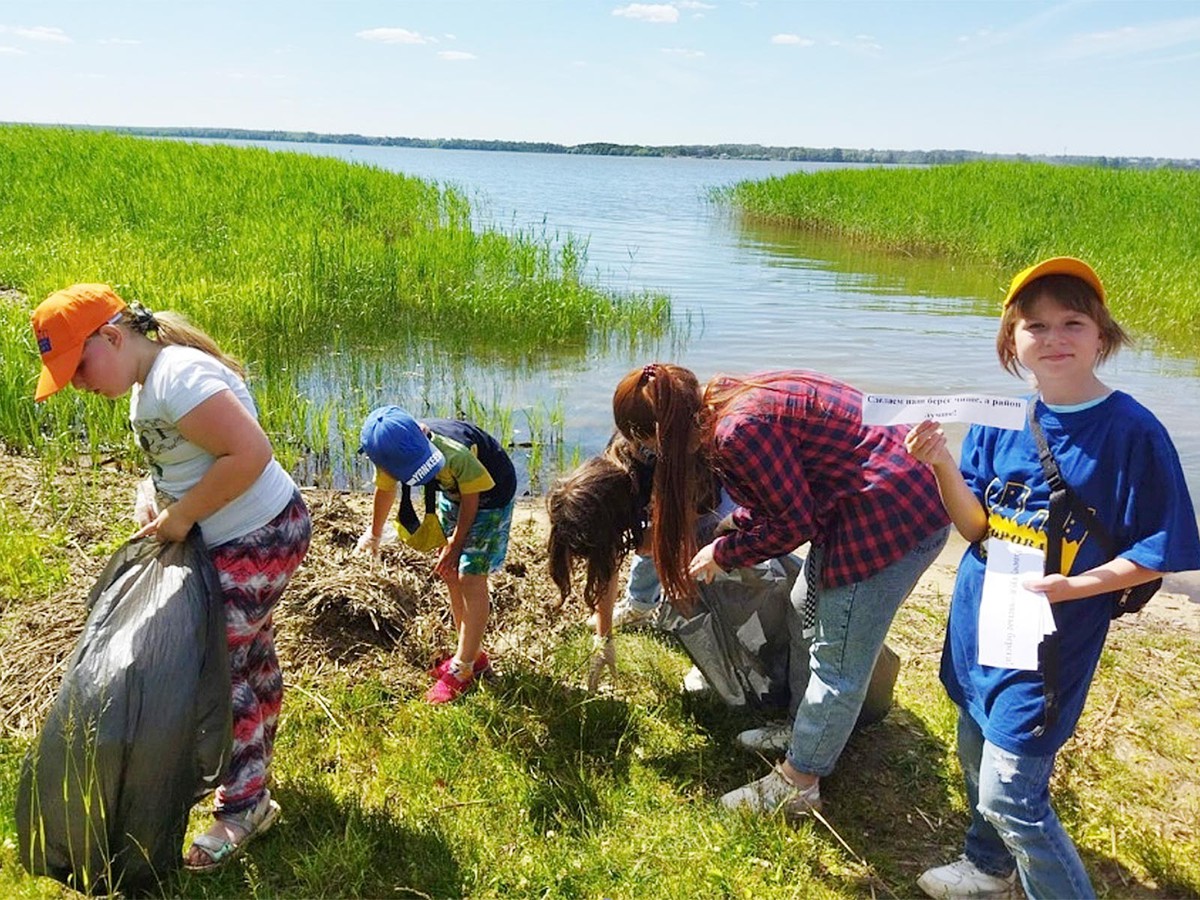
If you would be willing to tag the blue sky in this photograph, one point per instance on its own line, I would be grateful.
(1090, 78)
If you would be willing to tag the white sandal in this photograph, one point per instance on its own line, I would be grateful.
(251, 823)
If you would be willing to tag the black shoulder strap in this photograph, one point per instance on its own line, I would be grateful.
(1055, 529)
(1060, 503)
(407, 515)
(1063, 500)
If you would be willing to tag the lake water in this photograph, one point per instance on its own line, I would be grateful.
(756, 298)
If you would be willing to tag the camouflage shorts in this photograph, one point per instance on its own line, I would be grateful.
(487, 541)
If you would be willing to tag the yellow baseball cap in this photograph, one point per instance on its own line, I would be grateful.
(1056, 265)
(62, 323)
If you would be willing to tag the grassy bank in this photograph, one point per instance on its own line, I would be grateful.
(531, 787)
(289, 261)
(1140, 229)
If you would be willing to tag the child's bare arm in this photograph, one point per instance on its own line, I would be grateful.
(227, 430)
(1115, 575)
(381, 506)
(927, 443)
(447, 563)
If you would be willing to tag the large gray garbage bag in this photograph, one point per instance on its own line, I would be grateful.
(737, 633)
(745, 636)
(140, 729)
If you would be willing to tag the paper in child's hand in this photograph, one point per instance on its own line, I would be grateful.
(1013, 620)
(1000, 412)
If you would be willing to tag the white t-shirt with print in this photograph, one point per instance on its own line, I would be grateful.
(180, 379)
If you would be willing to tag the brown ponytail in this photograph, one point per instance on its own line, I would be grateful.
(658, 404)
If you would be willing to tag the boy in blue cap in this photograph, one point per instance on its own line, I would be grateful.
(476, 483)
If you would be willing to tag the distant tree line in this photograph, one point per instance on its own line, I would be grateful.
(693, 151)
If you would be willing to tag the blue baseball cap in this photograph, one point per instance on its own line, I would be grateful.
(395, 442)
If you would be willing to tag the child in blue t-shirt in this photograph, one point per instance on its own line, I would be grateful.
(476, 483)
(1120, 461)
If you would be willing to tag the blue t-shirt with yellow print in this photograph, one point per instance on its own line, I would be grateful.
(1120, 461)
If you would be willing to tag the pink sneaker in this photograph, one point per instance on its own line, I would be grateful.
(447, 688)
(481, 669)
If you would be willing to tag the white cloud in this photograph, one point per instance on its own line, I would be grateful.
(1134, 39)
(394, 36)
(694, 4)
(659, 13)
(684, 52)
(860, 42)
(455, 55)
(980, 34)
(793, 40)
(12, 51)
(38, 33)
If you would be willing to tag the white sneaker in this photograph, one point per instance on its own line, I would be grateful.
(626, 615)
(962, 879)
(774, 737)
(772, 793)
(694, 681)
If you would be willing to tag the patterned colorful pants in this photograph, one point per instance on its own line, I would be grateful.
(254, 570)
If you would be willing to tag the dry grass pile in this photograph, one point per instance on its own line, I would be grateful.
(391, 617)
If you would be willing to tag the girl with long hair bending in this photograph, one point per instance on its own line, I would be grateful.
(792, 452)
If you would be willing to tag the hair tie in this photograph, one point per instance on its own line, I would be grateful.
(141, 319)
(648, 372)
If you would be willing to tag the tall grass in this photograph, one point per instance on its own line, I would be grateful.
(1139, 228)
(283, 258)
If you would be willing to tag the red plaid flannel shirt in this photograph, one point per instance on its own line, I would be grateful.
(801, 466)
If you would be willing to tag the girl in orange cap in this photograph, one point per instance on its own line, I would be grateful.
(212, 466)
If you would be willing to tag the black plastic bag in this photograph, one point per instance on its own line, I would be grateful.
(745, 635)
(140, 729)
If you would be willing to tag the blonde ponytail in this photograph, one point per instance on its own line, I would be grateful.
(172, 328)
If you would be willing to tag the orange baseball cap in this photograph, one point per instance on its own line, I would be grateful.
(62, 323)
(1056, 265)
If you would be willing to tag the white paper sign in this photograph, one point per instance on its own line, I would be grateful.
(1012, 619)
(978, 409)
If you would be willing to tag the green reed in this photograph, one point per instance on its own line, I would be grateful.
(284, 259)
(1139, 228)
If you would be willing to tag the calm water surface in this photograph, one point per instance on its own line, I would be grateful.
(755, 298)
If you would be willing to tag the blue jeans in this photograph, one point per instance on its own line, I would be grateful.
(1012, 821)
(852, 622)
(644, 588)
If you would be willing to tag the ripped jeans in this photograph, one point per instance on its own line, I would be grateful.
(1012, 821)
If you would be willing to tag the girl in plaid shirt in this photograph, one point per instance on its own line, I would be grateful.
(791, 450)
